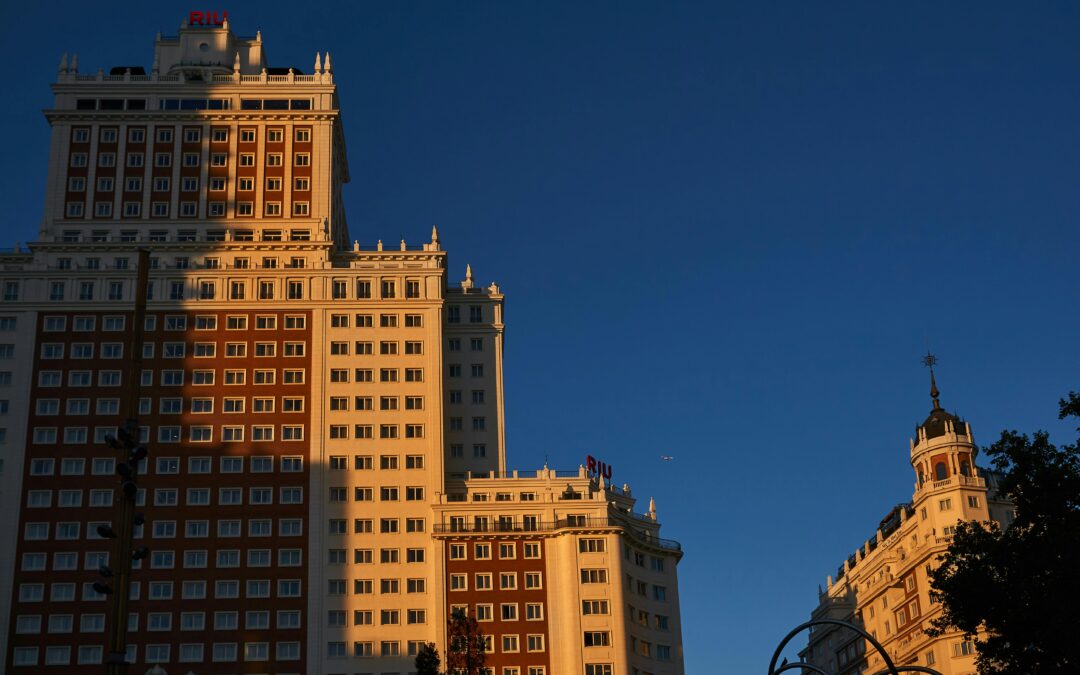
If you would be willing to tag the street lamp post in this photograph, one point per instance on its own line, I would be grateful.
(128, 444)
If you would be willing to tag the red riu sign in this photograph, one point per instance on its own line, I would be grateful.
(207, 18)
(597, 467)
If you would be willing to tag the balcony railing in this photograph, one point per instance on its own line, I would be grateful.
(551, 526)
(959, 479)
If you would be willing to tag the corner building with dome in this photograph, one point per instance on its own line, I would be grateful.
(327, 478)
(884, 586)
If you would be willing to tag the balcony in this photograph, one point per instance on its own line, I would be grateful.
(930, 487)
(495, 527)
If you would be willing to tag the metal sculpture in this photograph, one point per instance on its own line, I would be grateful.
(890, 667)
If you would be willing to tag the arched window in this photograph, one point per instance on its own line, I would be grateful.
(941, 472)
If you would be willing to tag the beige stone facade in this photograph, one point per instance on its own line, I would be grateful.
(884, 585)
(322, 415)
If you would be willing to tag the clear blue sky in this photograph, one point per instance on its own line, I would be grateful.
(725, 233)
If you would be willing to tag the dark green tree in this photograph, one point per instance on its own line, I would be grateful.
(465, 651)
(427, 660)
(1021, 584)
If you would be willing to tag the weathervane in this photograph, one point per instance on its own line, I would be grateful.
(930, 361)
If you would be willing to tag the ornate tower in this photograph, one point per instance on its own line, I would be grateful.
(943, 447)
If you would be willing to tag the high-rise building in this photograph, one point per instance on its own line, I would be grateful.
(327, 478)
(884, 586)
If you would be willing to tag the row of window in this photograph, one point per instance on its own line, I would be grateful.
(177, 377)
(172, 322)
(339, 526)
(534, 642)
(386, 348)
(106, 466)
(387, 617)
(185, 235)
(53, 351)
(163, 590)
(31, 624)
(187, 184)
(645, 648)
(387, 586)
(341, 375)
(167, 529)
(641, 618)
(478, 423)
(367, 431)
(237, 290)
(505, 523)
(508, 581)
(655, 564)
(47, 407)
(386, 648)
(476, 313)
(179, 350)
(362, 403)
(200, 496)
(367, 462)
(238, 433)
(392, 493)
(367, 320)
(191, 134)
(188, 209)
(641, 588)
(86, 290)
(162, 559)
(484, 550)
(366, 556)
(524, 496)
(161, 653)
(81, 350)
(134, 160)
(261, 433)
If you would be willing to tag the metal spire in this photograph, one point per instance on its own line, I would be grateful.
(929, 361)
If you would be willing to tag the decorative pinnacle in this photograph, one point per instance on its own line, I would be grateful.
(930, 361)
(318, 63)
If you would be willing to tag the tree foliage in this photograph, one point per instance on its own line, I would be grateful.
(427, 660)
(1021, 584)
(465, 649)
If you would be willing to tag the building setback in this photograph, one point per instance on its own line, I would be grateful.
(327, 479)
(884, 586)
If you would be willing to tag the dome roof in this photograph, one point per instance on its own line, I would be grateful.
(934, 425)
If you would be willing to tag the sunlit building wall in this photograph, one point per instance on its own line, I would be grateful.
(325, 419)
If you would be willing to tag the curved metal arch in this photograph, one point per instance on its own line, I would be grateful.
(890, 667)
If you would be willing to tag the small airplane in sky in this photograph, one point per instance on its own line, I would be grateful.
(667, 458)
